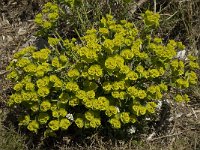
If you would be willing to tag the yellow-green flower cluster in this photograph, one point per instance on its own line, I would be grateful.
(107, 86)
(87, 55)
(115, 123)
(111, 110)
(107, 21)
(31, 68)
(119, 37)
(42, 69)
(34, 107)
(55, 62)
(114, 74)
(90, 119)
(136, 93)
(91, 94)
(33, 126)
(43, 82)
(24, 120)
(110, 63)
(119, 95)
(79, 122)
(41, 55)
(93, 45)
(88, 103)
(58, 112)
(43, 91)
(45, 106)
(30, 86)
(24, 52)
(90, 115)
(81, 94)
(73, 73)
(43, 118)
(155, 91)
(150, 107)
(95, 72)
(48, 16)
(102, 103)
(53, 41)
(132, 75)
(108, 46)
(154, 73)
(151, 19)
(139, 109)
(26, 96)
(54, 125)
(89, 52)
(192, 77)
(73, 101)
(18, 87)
(182, 98)
(57, 83)
(72, 86)
(85, 96)
(125, 117)
(23, 62)
(13, 75)
(96, 122)
(127, 54)
(182, 83)
(23, 96)
(63, 59)
(194, 65)
(178, 66)
(163, 52)
(103, 31)
(163, 87)
(64, 123)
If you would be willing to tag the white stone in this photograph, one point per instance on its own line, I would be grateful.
(70, 117)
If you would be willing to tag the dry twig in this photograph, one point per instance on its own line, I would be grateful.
(138, 4)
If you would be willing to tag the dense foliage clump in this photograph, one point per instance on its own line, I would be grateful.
(115, 73)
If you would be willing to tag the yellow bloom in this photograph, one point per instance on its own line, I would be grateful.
(110, 63)
(73, 102)
(179, 98)
(33, 126)
(24, 120)
(127, 54)
(125, 118)
(95, 70)
(31, 68)
(79, 122)
(154, 73)
(132, 76)
(55, 62)
(73, 73)
(115, 123)
(111, 110)
(43, 118)
(89, 115)
(23, 62)
(54, 125)
(45, 105)
(18, 86)
(64, 123)
(72, 86)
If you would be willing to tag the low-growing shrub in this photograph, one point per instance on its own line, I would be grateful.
(116, 73)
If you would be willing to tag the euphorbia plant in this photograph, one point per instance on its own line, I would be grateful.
(115, 73)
